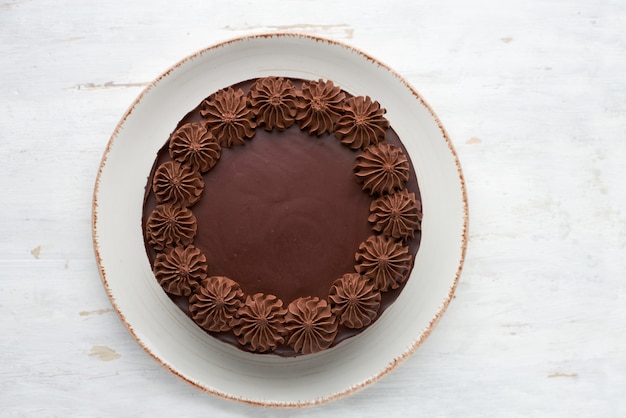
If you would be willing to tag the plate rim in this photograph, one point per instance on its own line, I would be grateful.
(393, 363)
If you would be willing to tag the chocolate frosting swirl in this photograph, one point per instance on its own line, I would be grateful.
(319, 106)
(228, 117)
(177, 183)
(214, 304)
(259, 325)
(396, 215)
(381, 168)
(273, 101)
(193, 144)
(362, 123)
(354, 300)
(311, 324)
(179, 269)
(384, 261)
(169, 225)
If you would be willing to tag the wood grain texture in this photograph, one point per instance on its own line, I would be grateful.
(533, 96)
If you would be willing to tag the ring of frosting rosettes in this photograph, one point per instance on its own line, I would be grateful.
(262, 322)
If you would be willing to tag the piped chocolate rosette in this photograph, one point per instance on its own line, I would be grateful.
(262, 322)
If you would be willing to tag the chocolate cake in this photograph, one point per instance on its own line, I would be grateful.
(283, 215)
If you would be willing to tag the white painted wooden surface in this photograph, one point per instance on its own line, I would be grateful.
(533, 94)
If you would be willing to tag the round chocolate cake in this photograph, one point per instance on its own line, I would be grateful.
(283, 215)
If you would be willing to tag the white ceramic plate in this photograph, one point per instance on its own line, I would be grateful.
(174, 340)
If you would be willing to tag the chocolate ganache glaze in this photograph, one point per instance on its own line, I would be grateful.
(283, 215)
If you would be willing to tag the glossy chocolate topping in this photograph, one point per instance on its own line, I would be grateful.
(282, 215)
